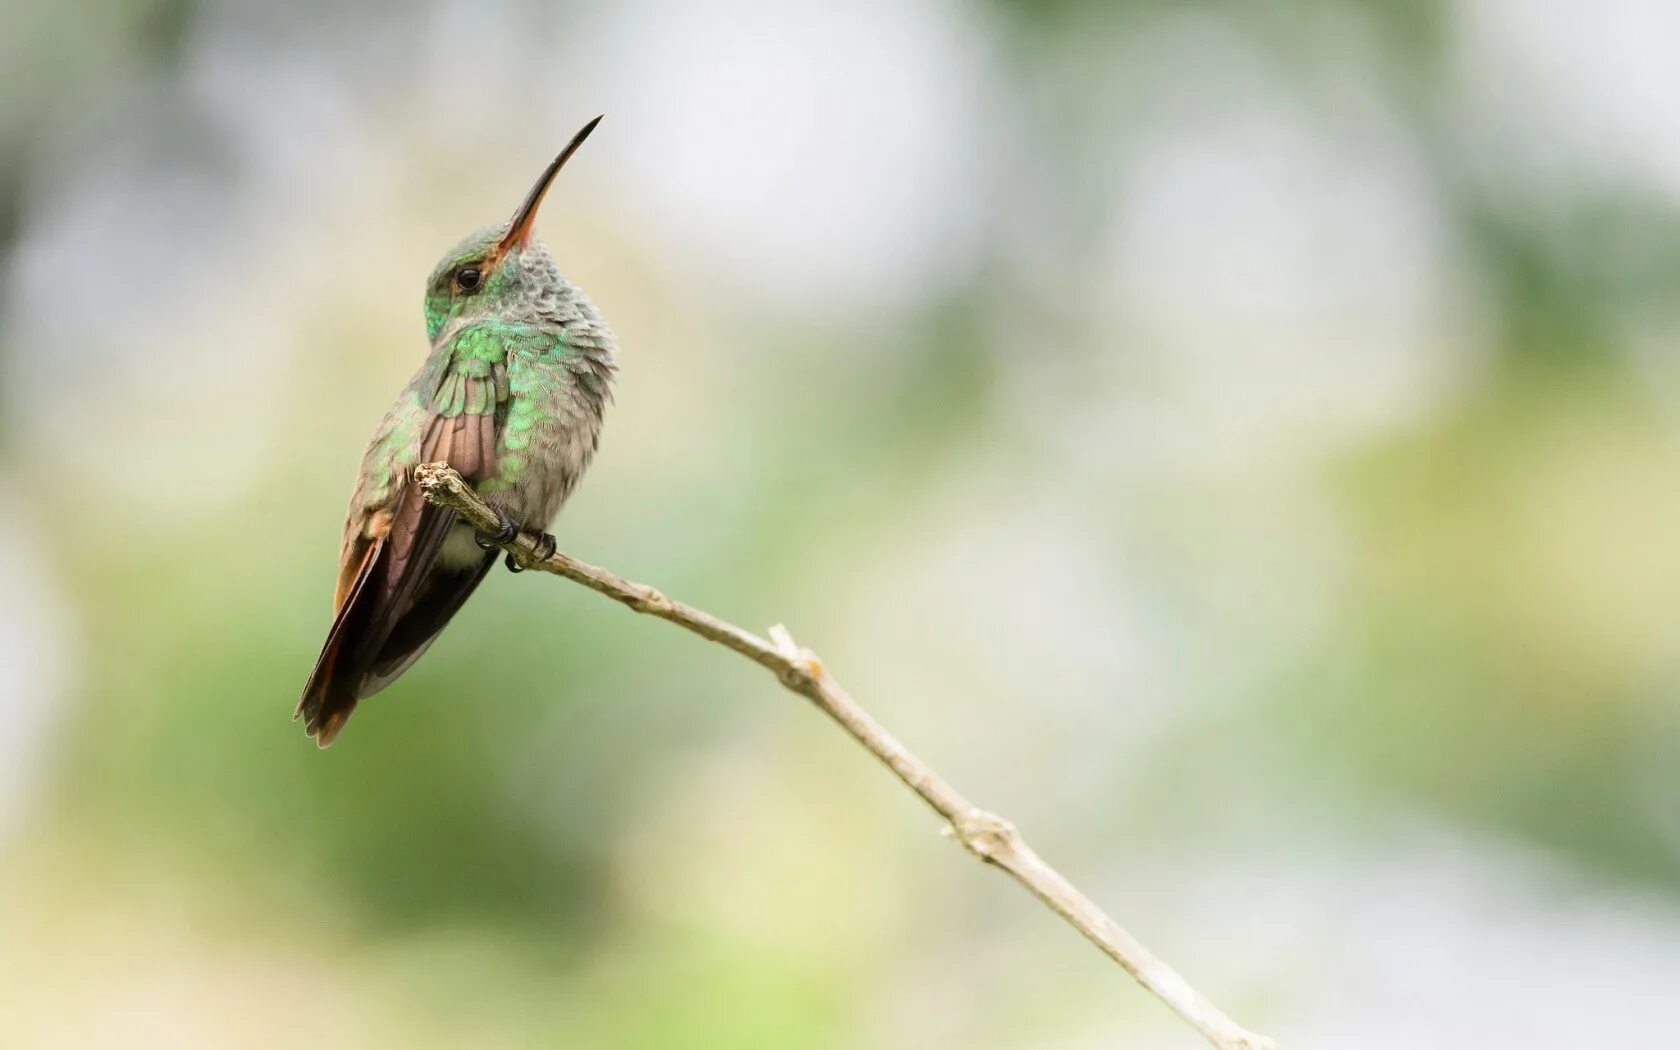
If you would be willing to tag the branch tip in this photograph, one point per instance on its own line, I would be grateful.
(783, 640)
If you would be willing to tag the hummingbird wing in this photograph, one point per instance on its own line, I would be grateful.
(394, 594)
(429, 592)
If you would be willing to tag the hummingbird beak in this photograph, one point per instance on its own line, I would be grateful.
(519, 227)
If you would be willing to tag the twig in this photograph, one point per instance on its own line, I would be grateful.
(986, 835)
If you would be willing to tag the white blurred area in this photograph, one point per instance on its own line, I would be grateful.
(1204, 260)
(36, 654)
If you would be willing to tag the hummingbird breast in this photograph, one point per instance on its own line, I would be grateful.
(546, 469)
(553, 380)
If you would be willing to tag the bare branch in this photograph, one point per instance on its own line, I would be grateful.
(986, 835)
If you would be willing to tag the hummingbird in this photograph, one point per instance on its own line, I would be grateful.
(511, 396)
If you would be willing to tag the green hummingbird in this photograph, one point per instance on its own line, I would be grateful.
(511, 396)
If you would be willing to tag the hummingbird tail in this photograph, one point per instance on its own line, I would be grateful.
(329, 696)
(398, 601)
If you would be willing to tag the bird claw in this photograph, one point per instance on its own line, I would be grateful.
(546, 546)
(506, 531)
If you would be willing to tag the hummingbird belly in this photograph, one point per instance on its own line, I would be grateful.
(460, 550)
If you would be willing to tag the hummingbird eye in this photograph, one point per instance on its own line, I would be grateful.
(468, 278)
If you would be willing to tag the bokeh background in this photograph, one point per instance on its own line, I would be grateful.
(1241, 443)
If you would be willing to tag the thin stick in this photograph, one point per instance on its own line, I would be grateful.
(986, 835)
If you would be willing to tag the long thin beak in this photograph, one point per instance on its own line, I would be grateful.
(519, 227)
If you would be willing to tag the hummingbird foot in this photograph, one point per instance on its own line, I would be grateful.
(546, 546)
(507, 531)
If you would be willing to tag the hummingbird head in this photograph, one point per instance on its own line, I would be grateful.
(501, 271)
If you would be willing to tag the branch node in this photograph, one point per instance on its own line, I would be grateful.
(986, 835)
(650, 599)
(803, 663)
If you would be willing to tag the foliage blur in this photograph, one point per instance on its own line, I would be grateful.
(1238, 442)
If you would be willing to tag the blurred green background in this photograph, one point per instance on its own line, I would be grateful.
(1239, 442)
